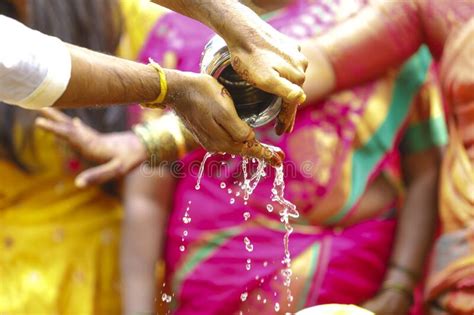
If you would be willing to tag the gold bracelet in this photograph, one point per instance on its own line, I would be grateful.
(399, 288)
(163, 86)
(163, 138)
(413, 275)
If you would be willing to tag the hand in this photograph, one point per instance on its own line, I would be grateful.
(119, 153)
(207, 110)
(389, 302)
(272, 62)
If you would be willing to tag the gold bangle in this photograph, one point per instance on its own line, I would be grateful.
(163, 138)
(400, 289)
(163, 86)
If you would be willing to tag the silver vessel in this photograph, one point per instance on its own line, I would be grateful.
(253, 105)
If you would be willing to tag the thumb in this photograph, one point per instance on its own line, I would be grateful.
(100, 174)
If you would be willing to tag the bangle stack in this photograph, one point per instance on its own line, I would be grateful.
(163, 138)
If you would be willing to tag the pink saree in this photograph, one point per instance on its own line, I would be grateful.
(337, 149)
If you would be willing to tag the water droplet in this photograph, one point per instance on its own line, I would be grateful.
(249, 260)
(246, 216)
(248, 245)
(265, 263)
(182, 248)
(262, 280)
(257, 277)
(246, 203)
(259, 297)
(244, 296)
(269, 208)
(232, 156)
(185, 233)
(248, 267)
(186, 220)
(229, 191)
(223, 185)
(264, 301)
(232, 201)
(277, 307)
(166, 298)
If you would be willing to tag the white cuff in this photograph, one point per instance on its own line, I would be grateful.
(59, 65)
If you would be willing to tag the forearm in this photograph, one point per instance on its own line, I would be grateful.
(99, 79)
(380, 36)
(146, 212)
(415, 231)
(225, 17)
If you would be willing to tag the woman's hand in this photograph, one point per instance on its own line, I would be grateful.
(118, 153)
(260, 54)
(207, 110)
(389, 302)
(272, 62)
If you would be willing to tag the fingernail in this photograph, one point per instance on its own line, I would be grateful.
(280, 128)
(40, 120)
(302, 99)
(80, 183)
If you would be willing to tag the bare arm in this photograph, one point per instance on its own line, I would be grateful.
(380, 36)
(414, 235)
(147, 200)
(99, 79)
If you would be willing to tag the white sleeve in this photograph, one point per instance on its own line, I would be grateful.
(35, 69)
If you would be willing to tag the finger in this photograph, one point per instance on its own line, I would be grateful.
(295, 75)
(286, 118)
(255, 149)
(289, 92)
(221, 140)
(237, 129)
(61, 130)
(100, 174)
(55, 115)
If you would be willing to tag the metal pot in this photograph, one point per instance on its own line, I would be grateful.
(253, 105)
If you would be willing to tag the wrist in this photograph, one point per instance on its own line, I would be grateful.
(175, 80)
(244, 25)
(398, 291)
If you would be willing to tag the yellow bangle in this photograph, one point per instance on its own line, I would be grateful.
(163, 86)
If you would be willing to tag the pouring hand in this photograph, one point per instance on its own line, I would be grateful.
(207, 110)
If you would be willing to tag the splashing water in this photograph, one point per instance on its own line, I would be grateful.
(166, 298)
(248, 244)
(288, 210)
(201, 169)
(277, 307)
